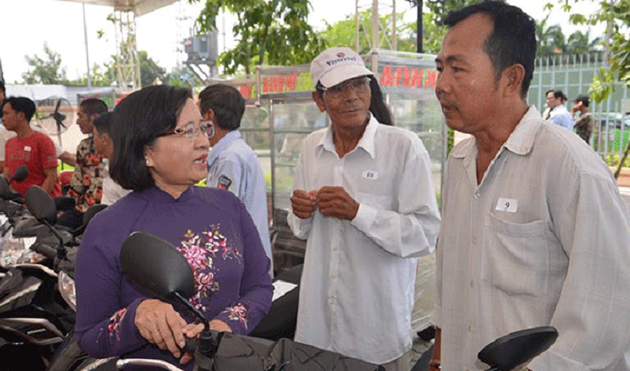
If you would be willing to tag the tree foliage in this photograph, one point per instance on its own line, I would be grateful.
(272, 32)
(46, 70)
(343, 33)
(619, 45)
(550, 39)
(182, 77)
(105, 74)
(149, 69)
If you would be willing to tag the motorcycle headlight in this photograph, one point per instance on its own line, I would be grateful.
(65, 284)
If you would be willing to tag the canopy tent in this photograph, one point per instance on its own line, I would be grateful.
(125, 11)
(139, 7)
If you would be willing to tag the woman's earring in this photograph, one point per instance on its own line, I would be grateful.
(147, 162)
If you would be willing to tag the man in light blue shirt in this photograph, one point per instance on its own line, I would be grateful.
(559, 114)
(232, 164)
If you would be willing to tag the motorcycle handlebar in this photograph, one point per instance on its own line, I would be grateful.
(191, 345)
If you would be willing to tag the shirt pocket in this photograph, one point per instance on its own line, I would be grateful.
(375, 201)
(515, 257)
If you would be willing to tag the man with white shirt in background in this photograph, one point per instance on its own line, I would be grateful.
(232, 164)
(104, 146)
(534, 231)
(559, 113)
(363, 199)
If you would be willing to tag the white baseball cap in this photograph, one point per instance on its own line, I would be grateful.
(336, 65)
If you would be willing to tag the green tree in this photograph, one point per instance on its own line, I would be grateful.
(100, 75)
(439, 9)
(149, 69)
(45, 71)
(551, 40)
(617, 17)
(580, 43)
(183, 77)
(343, 33)
(274, 32)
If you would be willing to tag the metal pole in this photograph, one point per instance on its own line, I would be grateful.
(375, 42)
(419, 47)
(87, 53)
(394, 43)
(272, 146)
(356, 26)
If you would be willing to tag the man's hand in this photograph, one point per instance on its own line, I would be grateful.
(303, 203)
(576, 107)
(336, 202)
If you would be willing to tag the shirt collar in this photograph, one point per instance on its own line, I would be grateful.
(519, 142)
(222, 144)
(367, 141)
(156, 195)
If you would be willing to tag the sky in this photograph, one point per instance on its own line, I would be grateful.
(25, 25)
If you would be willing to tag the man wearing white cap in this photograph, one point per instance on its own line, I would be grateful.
(364, 200)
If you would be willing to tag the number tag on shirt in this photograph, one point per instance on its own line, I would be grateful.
(509, 205)
(368, 174)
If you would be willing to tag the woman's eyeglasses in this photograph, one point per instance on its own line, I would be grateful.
(190, 131)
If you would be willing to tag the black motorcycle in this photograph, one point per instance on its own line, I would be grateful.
(37, 312)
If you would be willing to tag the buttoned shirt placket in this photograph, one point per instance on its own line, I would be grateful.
(478, 203)
(335, 253)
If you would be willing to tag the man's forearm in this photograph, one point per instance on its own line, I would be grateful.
(49, 183)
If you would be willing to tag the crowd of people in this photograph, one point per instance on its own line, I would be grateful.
(532, 229)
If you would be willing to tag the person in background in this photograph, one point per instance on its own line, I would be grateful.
(364, 200)
(547, 111)
(534, 231)
(160, 151)
(104, 147)
(559, 114)
(86, 185)
(584, 124)
(4, 133)
(32, 148)
(232, 164)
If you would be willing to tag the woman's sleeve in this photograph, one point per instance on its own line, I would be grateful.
(256, 289)
(104, 327)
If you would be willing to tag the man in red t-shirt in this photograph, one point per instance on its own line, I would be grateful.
(32, 148)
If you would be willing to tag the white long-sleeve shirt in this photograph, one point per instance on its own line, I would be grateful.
(543, 240)
(357, 288)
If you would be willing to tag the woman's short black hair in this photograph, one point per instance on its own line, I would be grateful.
(378, 107)
(137, 122)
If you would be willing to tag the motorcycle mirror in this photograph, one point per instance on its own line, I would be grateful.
(517, 348)
(155, 265)
(5, 191)
(41, 205)
(20, 173)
